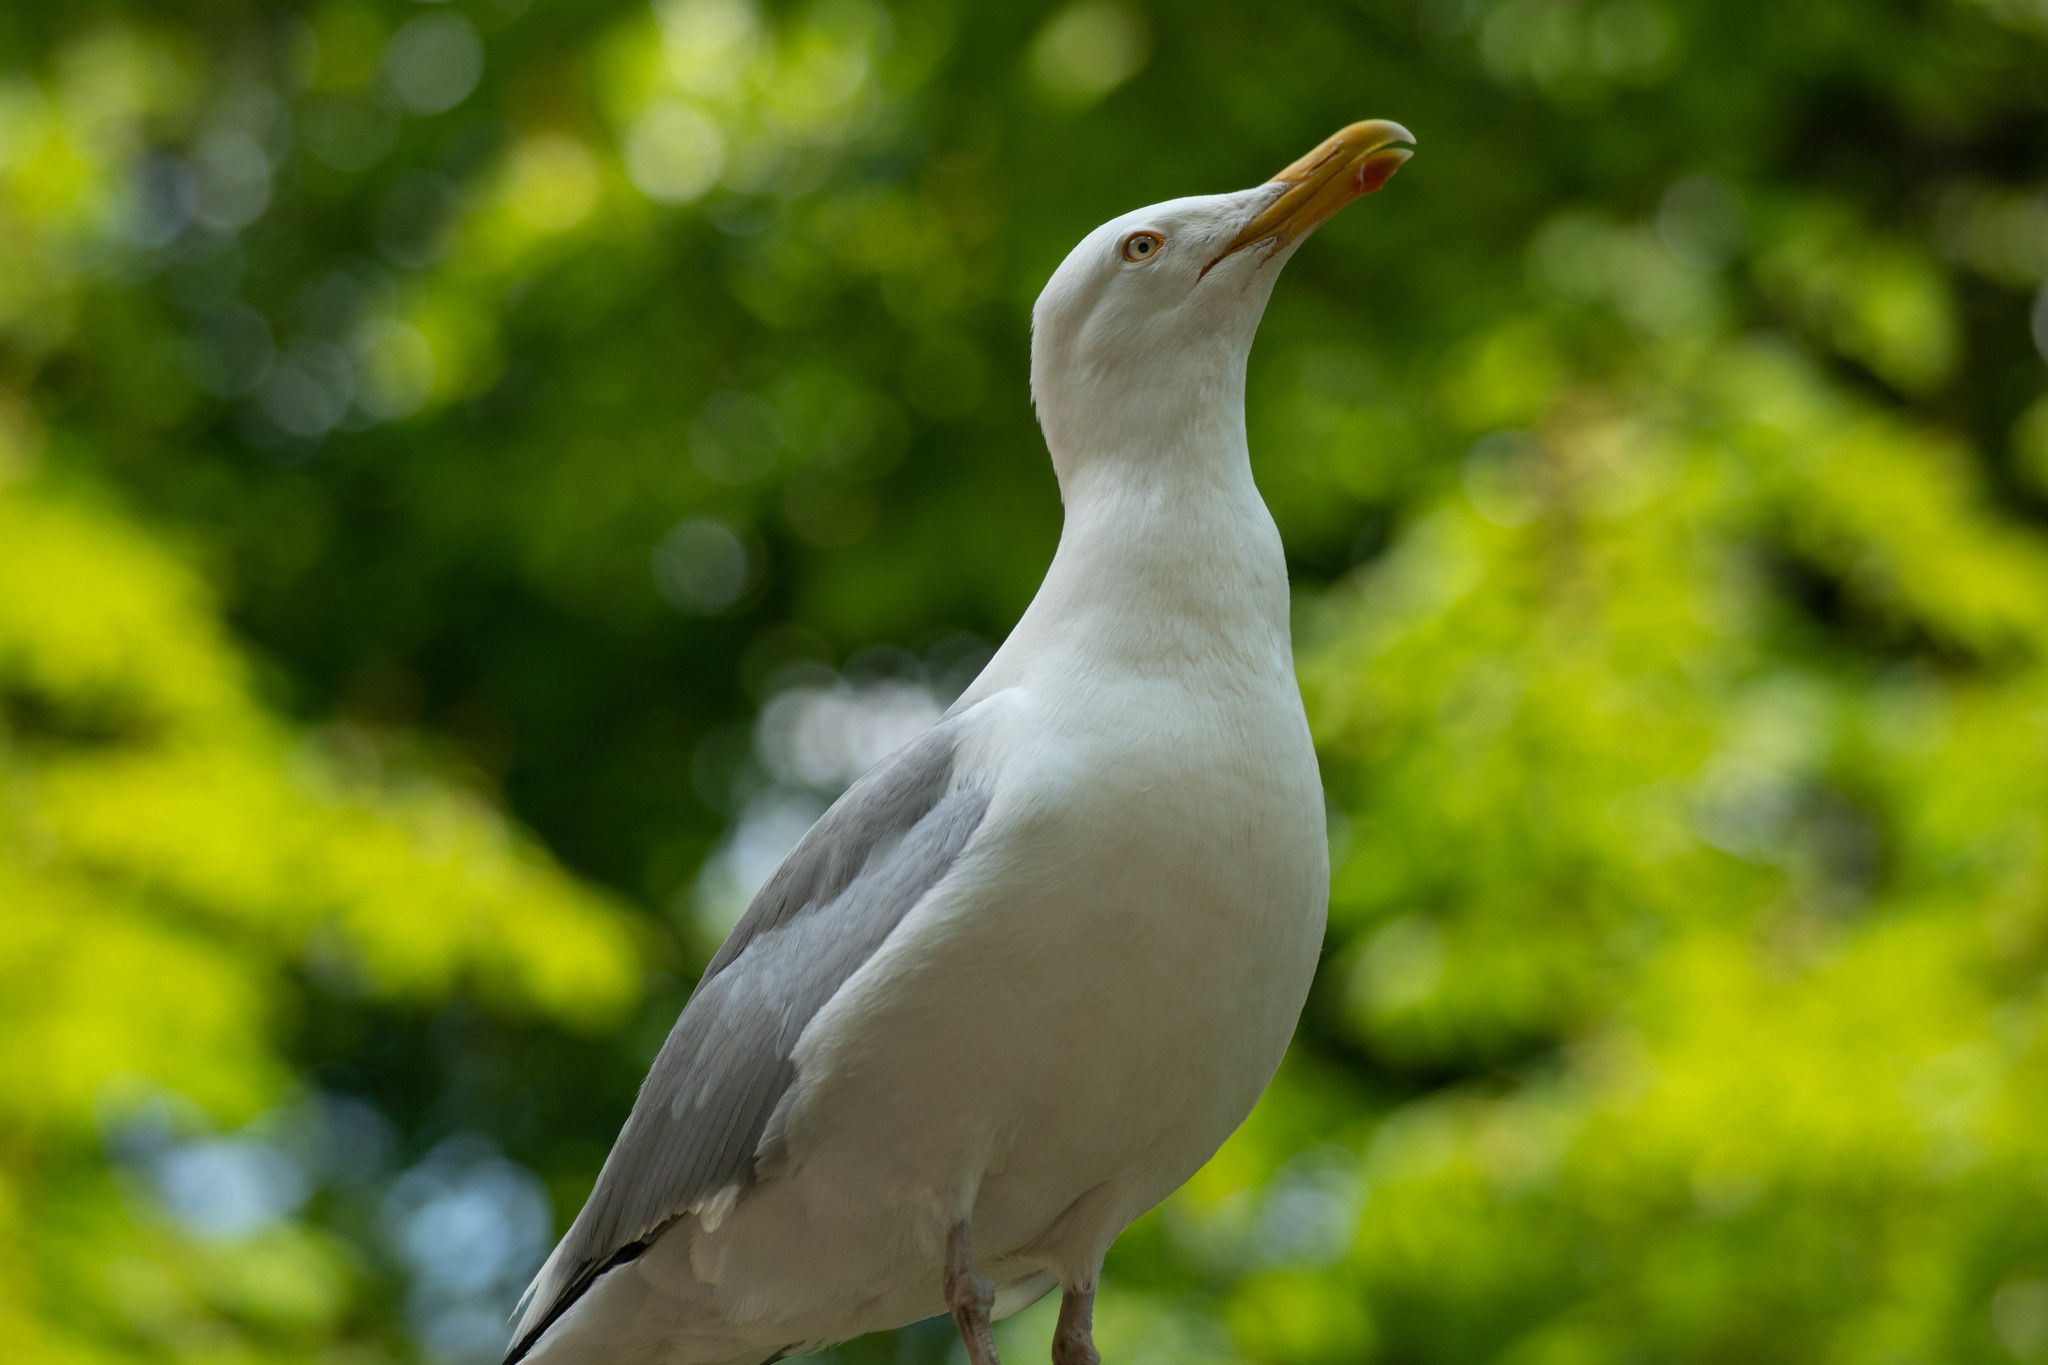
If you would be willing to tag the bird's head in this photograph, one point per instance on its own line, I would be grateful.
(1145, 327)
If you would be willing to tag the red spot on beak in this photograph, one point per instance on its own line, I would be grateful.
(1373, 173)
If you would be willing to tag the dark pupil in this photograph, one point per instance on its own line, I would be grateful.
(1142, 245)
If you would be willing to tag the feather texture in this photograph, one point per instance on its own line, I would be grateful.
(694, 1135)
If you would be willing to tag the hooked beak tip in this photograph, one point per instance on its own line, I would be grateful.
(1349, 164)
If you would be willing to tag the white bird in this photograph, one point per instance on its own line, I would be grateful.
(1032, 969)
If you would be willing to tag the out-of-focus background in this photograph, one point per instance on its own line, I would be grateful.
(477, 478)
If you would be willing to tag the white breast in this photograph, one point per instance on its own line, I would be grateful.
(1098, 992)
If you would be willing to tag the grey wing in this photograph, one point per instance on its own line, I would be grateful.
(698, 1121)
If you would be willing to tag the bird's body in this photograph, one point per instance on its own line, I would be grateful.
(1028, 974)
(1073, 1019)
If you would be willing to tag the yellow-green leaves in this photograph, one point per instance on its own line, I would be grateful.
(1689, 749)
(176, 867)
(1879, 301)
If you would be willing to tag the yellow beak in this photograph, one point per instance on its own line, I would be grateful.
(1350, 163)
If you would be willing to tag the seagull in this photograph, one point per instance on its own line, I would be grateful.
(1028, 973)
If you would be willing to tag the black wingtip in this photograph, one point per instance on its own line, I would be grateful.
(568, 1297)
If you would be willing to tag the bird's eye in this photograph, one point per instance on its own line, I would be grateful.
(1141, 245)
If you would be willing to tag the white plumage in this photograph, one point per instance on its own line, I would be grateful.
(1027, 975)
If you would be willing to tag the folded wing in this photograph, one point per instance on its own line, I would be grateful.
(691, 1141)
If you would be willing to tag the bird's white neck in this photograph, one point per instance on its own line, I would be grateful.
(1168, 561)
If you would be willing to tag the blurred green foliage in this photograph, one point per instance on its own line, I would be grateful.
(475, 479)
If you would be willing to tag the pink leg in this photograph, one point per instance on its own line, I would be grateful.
(1073, 1341)
(970, 1297)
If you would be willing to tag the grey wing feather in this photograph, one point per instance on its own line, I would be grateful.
(697, 1124)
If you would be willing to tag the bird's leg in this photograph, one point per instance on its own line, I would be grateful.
(1073, 1341)
(969, 1296)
